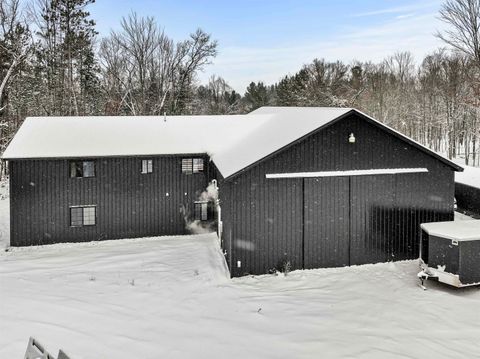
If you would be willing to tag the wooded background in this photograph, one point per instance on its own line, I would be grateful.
(52, 63)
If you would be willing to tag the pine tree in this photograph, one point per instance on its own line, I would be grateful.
(256, 95)
(66, 68)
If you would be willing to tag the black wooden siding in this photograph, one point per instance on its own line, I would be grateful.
(129, 203)
(264, 218)
(468, 198)
(327, 207)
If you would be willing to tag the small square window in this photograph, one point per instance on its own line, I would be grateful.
(82, 216)
(201, 211)
(147, 166)
(82, 169)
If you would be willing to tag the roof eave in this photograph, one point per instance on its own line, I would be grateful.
(55, 158)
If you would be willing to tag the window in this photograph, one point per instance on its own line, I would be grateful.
(187, 167)
(147, 166)
(76, 216)
(201, 211)
(197, 165)
(192, 165)
(82, 216)
(82, 169)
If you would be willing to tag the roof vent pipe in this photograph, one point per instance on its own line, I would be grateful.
(164, 116)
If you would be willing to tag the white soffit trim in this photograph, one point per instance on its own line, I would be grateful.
(381, 171)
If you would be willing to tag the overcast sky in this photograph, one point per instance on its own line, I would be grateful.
(263, 40)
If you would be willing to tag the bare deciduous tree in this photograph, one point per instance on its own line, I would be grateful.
(463, 16)
(145, 72)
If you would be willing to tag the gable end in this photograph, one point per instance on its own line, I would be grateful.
(369, 120)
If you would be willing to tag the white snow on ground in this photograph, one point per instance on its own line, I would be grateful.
(470, 176)
(171, 297)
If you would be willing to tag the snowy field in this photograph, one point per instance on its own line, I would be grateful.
(171, 297)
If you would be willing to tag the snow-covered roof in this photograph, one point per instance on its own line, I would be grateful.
(285, 125)
(456, 230)
(99, 136)
(234, 142)
(470, 176)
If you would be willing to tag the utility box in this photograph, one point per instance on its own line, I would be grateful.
(450, 252)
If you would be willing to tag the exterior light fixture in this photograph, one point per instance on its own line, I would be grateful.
(351, 138)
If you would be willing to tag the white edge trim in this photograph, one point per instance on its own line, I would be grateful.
(382, 171)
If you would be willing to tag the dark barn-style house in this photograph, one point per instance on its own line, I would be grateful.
(297, 187)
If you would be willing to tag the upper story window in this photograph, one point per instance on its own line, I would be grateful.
(147, 166)
(192, 165)
(82, 169)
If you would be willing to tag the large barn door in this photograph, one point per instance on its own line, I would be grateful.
(326, 222)
(363, 219)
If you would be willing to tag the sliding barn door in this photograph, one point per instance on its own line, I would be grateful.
(326, 222)
(364, 219)
(373, 219)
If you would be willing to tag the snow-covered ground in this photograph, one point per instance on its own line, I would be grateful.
(171, 297)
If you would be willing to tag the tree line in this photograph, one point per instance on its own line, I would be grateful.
(52, 62)
(435, 102)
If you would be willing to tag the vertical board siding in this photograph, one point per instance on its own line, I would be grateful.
(386, 211)
(372, 197)
(468, 198)
(129, 203)
(326, 222)
(273, 235)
